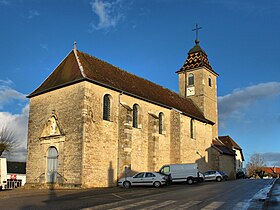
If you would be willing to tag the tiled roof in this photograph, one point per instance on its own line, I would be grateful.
(196, 58)
(271, 170)
(79, 66)
(222, 148)
(230, 143)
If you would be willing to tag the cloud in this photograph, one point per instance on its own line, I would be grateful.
(233, 103)
(44, 46)
(15, 122)
(33, 13)
(18, 124)
(7, 94)
(272, 158)
(108, 13)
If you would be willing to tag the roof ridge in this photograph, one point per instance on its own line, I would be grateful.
(79, 63)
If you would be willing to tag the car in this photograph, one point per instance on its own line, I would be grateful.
(225, 176)
(240, 175)
(168, 177)
(143, 179)
(213, 176)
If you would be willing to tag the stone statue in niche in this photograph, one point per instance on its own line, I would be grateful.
(51, 128)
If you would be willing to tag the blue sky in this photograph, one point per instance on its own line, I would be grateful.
(151, 38)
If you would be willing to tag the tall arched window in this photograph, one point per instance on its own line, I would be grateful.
(106, 107)
(191, 79)
(192, 129)
(52, 165)
(135, 120)
(161, 122)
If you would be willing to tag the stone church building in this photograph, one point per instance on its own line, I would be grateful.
(90, 122)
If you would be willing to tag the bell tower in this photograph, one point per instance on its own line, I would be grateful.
(198, 81)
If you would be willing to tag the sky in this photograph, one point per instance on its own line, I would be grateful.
(151, 38)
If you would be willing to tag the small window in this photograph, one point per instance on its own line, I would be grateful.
(161, 123)
(106, 107)
(191, 79)
(210, 81)
(192, 129)
(135, 120)
(150, 175)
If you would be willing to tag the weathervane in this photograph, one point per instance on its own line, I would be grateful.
(196, 29)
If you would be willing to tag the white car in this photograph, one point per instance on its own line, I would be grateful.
(143, 178)
(213, 176)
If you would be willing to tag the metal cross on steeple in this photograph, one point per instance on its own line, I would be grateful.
(196, 29)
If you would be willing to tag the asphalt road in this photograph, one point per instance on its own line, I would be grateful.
(237, 194)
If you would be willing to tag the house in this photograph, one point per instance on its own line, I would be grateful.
(231, 144)
(272, 171)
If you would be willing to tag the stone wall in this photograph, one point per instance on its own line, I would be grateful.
(66, 104)
(223, 162)
(94, 152)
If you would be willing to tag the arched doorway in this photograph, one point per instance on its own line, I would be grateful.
(52, 165)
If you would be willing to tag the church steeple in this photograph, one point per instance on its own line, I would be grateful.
(197, 81)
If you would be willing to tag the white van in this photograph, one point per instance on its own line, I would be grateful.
(187, 172)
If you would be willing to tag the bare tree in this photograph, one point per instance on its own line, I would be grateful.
(8, 140)
(255, 166)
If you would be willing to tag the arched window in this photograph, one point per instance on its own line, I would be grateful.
(161, 122)
(135, 120)
(210, 81)
(106, 107)
(191, 79)
(52, 165)
(192, 129)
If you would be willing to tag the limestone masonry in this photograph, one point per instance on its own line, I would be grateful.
(91, 123)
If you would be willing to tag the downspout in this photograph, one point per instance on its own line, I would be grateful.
(119, 135)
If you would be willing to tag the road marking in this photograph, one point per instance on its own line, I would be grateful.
(133, 205)
(187, 205)
(242, 205)
(114, 204)
(117, 196)
(213, 205)
(159, 205)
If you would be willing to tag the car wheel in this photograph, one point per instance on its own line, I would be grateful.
(157, 184)
(219, 179)
(190, 181)
(126, 184)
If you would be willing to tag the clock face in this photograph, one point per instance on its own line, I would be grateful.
(190, 91)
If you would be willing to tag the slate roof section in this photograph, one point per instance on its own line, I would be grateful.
(79, 66)
(223, 149)
(230, 143)
(196, 58)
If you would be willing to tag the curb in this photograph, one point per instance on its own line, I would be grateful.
(265, 205)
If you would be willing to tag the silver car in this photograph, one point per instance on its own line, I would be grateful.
(143, 178)
(213, 176)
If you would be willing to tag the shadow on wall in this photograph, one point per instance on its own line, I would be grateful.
(124, 173)
(111, 175)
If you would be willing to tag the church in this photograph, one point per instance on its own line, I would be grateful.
(91, 122)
